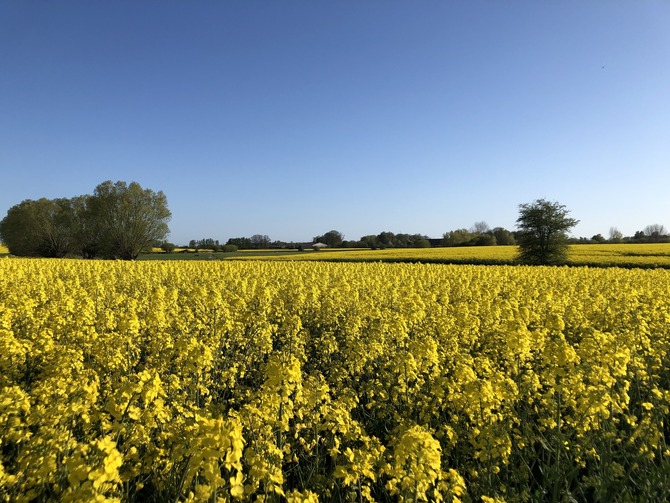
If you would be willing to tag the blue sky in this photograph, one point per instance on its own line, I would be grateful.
(291, 118)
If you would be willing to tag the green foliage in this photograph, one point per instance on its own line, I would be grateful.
(205, 244)
(543, 232)
(42, 228)
(331, 238)
(127, 218)
(458, 237)
(241, 243)
(478, 235)
(167, 247)
(369, 241)
(656, 234)
(388, 239)
(486, 239)
(117, 221)
(260, 241)
(503, 236)
(616, 236)
(19, 229)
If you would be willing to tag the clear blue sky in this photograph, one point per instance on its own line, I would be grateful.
(291, 118)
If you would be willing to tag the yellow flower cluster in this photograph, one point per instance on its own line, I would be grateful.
(311, 381)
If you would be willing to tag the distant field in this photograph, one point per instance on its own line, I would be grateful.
(596, 255)
(465, 254)
(190, 254)
(629, 255)
(3, 249)
(643, 255)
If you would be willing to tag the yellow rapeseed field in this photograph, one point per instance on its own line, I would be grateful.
(628, 255)
(439, 254)
(312, 381)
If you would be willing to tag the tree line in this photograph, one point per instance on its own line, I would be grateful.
(479, 234)
(117, 221)
(541, 235)
(655, 233)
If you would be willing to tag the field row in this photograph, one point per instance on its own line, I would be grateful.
(641, 255)
(598, 255)
(301, 381)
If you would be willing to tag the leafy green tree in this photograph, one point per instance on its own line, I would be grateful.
(19, 230)
(117, 221)
(127, 218)
(168, 247)
(385, 239)
(639, 237)
(332, 238)
(85, 230)
(458, 237)
(42, 228)
(205, 244)
(369, 241)
(57, 227)
(543, 232)
(260, 241)
(418, 241)
(485, 239)
(503, 236)
(241, 243)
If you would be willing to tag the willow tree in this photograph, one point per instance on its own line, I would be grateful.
(127, 218)
(41, 228)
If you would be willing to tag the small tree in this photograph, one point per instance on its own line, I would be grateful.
(655, 233)
(484, 240)
(167, 247)
(332, 238)
(543, 232)
(369, 241)
(503, 236)
(241, 243)
(480, 228)
(385, 239)
(260, 241)
(615, 235)
(458, 237)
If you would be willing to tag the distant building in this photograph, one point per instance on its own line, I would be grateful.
(318, 246)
